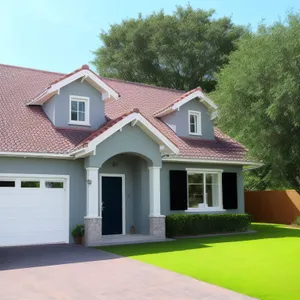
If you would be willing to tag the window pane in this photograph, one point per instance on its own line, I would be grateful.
(195, 178)
(82, 106)
(81, 116)
(192, 128)
(192, 119)
(74, 105)
(7, 183)
(212, 190)
(212, 178)
(74, 116)
(30, 184)
(54, 185)
(196, 196)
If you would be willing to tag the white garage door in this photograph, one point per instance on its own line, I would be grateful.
(33, 210)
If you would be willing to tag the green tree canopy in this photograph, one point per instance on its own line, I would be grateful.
(259, 97)
(181, 51)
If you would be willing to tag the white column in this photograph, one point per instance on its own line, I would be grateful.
(92, 188)
(154, 191)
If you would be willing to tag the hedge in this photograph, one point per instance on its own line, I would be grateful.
(195, 224)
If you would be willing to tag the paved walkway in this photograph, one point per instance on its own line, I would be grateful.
(66, 272)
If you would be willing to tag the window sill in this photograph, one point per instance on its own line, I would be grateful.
(213, 209)
(195, 134)
(79, 124)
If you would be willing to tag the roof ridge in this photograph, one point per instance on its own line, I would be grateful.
(32, 69)
(142, 84)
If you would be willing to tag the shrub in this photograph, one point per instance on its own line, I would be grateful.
(195, 224)
(78, 231)
(297, 221)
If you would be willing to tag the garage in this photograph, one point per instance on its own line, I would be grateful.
(34, 209)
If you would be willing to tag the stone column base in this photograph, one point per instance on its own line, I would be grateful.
(93, 231)
(157, 226)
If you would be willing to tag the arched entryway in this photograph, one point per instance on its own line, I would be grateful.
(126, 187)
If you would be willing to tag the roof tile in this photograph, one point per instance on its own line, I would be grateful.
(27, 128)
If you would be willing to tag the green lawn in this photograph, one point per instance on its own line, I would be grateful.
(264, 265)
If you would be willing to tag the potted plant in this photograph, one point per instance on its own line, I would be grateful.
(78, 234)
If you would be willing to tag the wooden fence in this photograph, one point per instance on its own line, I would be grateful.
(280, 207)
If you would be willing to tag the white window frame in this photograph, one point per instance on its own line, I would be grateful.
(86, 100)
(205, 207)
(197, 114)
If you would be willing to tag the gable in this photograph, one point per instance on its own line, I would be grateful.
(185, 98)
(84, 74)
(57, 107)
(134, 118)
(130, 140)
(178, 121)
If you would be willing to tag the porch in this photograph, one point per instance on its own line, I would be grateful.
(123, 202)
(123, 239)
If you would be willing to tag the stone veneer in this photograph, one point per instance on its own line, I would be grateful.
(93, 231)
(157, 226)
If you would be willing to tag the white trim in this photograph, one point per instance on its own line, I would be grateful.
(36, 154)
(191, 171)
(197, 170)
(198, 124)
(142, 122)
(123, 197)
(92, 189)
(85, 100)
(196, 94)
(210, 161)
(207, 209)
(90, 77)
(154, 191)
(66, 179)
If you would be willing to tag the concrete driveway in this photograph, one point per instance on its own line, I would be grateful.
(69, 272)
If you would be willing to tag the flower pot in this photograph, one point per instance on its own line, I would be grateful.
(78, 240)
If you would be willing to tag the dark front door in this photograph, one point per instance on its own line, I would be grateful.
(111, 205)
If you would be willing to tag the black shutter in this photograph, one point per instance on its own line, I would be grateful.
(229, 186)
(178, 190)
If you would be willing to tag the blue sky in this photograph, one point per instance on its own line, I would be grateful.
(59, 35)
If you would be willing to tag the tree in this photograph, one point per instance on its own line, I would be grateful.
(258, 93)
(180, 51)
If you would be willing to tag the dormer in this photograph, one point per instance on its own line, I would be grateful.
(191, 115)
(76, 100)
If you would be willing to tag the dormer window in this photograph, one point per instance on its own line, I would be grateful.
(195, 123)
(79, 110)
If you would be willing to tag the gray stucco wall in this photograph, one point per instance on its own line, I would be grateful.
(136, 173)
(58, 107)
(179, 120)
(165, 189)
(72, 168)
(129, 140)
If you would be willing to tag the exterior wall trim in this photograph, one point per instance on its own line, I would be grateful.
(212, 161)
(196, 94)
(142, 122)
(36, 154)
(50, 176)
(123, 197)
(87, 74)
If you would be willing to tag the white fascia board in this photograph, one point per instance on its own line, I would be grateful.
(142, 122)
(206, 101)
(36, 154)
(88, 75)
(210, 161)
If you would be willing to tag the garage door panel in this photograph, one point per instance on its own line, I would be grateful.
(34, 215)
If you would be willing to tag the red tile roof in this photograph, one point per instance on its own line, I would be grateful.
(27, 128)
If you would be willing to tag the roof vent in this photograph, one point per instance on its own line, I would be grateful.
(86, 67)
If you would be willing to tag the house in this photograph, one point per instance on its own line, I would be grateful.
(117, 156)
